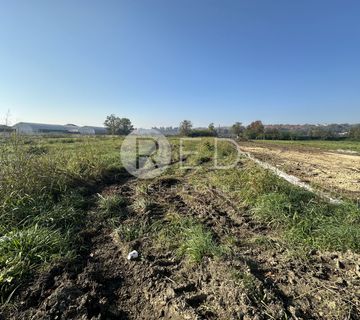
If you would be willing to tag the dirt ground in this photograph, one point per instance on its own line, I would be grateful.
(335, 172)
(257, 279)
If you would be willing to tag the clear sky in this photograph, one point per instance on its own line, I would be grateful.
(158, 62)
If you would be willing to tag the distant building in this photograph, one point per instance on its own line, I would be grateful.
(40, 128)
(5, 130)
(53, 129)
(72, 128)
(87, 130)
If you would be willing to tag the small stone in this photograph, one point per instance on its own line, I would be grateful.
(169, 294)
(133, 255)
(340, 264)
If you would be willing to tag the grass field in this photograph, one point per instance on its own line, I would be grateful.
(326, 145)
(70, 214)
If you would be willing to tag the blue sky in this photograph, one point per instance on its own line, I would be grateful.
(161, 61)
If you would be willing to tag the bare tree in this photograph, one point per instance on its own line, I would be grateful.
(7, 117)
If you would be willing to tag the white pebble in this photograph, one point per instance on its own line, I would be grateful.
(133, 255)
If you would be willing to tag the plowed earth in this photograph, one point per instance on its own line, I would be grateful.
(255, 279)
(336, 172)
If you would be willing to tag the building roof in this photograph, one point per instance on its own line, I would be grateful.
(43, 126)
(5, 128)
(102, 129)
(71, 128)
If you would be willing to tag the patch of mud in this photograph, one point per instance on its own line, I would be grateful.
(252, 280)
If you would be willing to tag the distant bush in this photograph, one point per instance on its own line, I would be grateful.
(355, 133)
(201, 133)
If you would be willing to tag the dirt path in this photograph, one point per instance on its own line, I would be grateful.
(334, 172)
(254, 279)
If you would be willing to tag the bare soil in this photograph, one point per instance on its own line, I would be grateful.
(256, 279)
(335, 172)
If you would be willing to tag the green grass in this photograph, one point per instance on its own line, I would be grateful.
(130, 231)
(43, 199)
(111, 205)
(327, 145)
(203, 151)
(142, 204)
(299, 216)
(272, 208)
(197, 243)
(22, 250)
(187, 237)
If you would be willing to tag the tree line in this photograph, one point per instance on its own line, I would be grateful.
(255, 130)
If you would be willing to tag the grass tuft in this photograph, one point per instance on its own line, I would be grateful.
(22, 250)
(111, 205)
(130, 232)
(187, 237)
(197, 243)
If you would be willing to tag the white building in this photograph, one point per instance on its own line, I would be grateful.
(87, 130)
(48, 129)
(40, 128)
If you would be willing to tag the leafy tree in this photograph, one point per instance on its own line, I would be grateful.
(212, 129)
(237, 129)
(185, 127)
(272, 134)
(125, 126)
(322, 133)
(201, 133)
(255, 130)
(112, 123)
(284, 135)
(116, 125)
(355, 133)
